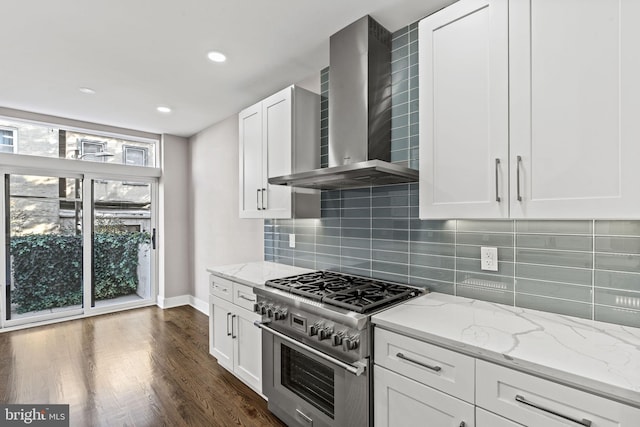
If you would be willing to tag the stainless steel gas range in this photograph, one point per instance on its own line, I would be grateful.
(316, 345)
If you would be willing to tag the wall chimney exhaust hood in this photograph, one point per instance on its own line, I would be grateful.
(359, 114)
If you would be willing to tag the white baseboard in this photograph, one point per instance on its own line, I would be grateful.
(200, 305)
(194, 302)
(174, 301)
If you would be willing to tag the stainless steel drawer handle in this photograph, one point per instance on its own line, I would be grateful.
(519, 162)
(233, 335)
(246, 298)
(356, 369)
(417, 362)
(583, 422)
(258, 200)
(229, 333)
(304, 417)
(497, 178)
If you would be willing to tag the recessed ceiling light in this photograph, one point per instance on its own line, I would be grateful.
(164, 109)
(87, 90)
(216, 56)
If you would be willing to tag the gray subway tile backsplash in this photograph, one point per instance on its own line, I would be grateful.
(586, 268)
(570, 308)
(576, 270)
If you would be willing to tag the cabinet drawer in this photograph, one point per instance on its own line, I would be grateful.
(243, 296)
(222, 288)
(536, 402)
(487, 419)
(400, 401)
(434, 366)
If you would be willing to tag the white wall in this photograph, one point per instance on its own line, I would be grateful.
(219, 236)
(174, 219)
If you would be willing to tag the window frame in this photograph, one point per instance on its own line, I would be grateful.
(13, 130)
(102, 144)
(145, 154)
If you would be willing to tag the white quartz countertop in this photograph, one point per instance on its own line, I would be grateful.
(598, 357)
(256, 273)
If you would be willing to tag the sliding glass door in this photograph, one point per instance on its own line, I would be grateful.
(76, 245)
(43, 247)
(123, 235)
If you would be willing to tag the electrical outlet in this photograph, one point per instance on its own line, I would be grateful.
(292, 241)
(489, 258)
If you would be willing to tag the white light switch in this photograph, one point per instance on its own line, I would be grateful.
(292, 241)
(489, 258)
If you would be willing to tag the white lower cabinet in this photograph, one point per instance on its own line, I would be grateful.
(400, 401)
(233, 339)
(418, 383)
(536, 402)
(488, 419)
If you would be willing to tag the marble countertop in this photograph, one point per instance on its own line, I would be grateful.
(597, 357)
(256, 273)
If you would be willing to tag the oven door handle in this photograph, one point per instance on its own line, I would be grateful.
(356, 369)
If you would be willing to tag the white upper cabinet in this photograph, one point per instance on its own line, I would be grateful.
(279, 136)
(575, 104)
(547, 87)
(464, 127)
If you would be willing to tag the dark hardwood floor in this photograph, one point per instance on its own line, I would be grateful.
(143, 367)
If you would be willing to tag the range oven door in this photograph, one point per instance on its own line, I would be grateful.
(305, 389)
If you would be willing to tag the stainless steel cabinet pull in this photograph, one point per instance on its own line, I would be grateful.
(583, 422)
(229, 333)
(433, 368)
(497, 172)
(304, 417)
(519, 161)
(232, 333)
(246, 298)
(264, 190)
(258, 199)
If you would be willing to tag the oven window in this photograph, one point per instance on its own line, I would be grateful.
(309, 379)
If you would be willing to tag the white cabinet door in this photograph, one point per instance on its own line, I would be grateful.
(251, 178)
(220, 334)
(488, 419)
(277, 145)
(574, 109)
(464, 117)
(248, 349)
(401, 402)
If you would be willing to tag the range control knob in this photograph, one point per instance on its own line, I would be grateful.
(280, 314)
(270, 311)
(259, 308)
(350, 343)
(313, 329)
(263, 309)
(336, 339)
(324, 333)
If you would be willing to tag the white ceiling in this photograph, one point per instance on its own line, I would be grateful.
(138, 54)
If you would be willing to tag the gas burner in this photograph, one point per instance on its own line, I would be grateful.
(368, 297)
(359, 294)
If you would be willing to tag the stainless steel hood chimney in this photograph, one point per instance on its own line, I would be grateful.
(359, 114)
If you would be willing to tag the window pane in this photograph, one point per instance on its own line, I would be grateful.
(50, 141)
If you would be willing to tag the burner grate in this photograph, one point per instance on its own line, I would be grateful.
(359, 294)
